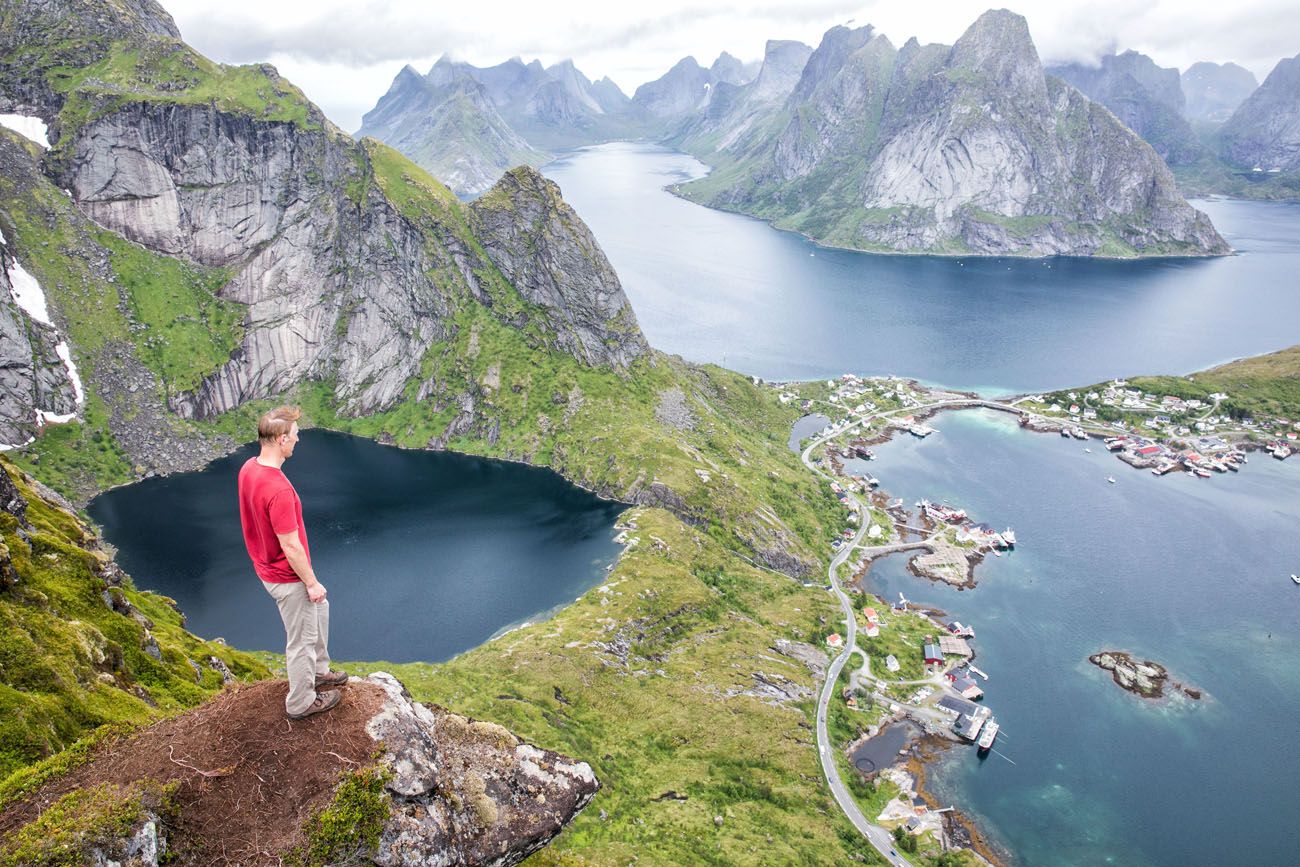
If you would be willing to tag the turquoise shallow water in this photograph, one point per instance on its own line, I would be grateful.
(1190, 572)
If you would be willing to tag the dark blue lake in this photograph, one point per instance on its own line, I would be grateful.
(424, 554)
(718, 287)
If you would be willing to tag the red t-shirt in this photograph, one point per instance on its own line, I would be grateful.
(268, 504)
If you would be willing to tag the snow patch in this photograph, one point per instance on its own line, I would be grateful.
(4, 447)
(28, 293)
(65, 354)
(28, 127)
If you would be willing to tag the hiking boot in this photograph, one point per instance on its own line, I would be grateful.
(331, 678)
(324, 701)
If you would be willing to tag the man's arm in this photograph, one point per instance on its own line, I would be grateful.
(297, 557)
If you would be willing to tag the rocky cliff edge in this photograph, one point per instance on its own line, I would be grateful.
(379, 780)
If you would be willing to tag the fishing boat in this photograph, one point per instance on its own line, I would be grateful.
(1009, 537)
(989, 735)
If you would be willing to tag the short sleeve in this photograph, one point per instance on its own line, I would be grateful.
(283, 512)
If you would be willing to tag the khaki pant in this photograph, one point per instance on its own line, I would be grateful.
(307, 634)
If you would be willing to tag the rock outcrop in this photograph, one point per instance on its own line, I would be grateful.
(1213, 91)
(968, 149)
(552, 259)
(445, 789)
(452, 131)
(1140, 677)
(1147, 98)
(1264, 132)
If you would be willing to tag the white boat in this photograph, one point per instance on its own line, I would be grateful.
(1009, 537)
(989, 735)
(1295, 578)
(1089, 451)
(1110, 479)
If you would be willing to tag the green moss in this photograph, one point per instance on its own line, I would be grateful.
(72, 827)
(70, 663)
(159, 69)
(349, 828)
(189, 332)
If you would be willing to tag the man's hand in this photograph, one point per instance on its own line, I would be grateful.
(316, 592)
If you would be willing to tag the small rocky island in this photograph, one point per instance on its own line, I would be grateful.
(1141, 677)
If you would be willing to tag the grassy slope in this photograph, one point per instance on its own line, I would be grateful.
(68, 662)
(1263, 386)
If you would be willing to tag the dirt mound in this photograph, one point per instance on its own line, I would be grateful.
(249, 778)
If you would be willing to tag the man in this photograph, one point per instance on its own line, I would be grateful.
(276, 538)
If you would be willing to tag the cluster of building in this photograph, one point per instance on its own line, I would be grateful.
(981, 535)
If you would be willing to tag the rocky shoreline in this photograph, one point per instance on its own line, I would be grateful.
(1144, 678)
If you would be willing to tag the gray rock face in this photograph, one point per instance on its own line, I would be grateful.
(1265, 131)
(550, 256)
(1147, 98)
(453, 131)
(32, 376)
(729, 69)
(339, 283)
(468, 792)
(1214, 90)
(968, 149)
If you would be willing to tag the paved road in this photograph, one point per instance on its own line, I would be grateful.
(876, 835)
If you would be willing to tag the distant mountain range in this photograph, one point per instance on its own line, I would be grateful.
(798, 138)
(466, 125)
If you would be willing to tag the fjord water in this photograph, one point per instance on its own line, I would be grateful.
(424, 554)
(1189, 572)
(1192, 573)
(727, 289)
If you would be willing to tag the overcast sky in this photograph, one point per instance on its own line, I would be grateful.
(345, 54)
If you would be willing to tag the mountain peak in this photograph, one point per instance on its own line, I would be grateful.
(998, 48)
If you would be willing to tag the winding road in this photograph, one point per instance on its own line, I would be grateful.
(875, 834)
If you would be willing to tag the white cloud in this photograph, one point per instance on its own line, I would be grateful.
(344, 54)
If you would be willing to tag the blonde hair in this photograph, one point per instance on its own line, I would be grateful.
(276, 423)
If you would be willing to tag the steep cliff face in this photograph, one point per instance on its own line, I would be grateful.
(1147, 98)
(36, 384)
(453, 131)
(1265, 131)
(681, 90)
(1214, 90)
(968, 149)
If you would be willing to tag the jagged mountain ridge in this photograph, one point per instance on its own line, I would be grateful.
(452, 130)
(1264, 131)
(737, 115)
(968, 149)
(1213, 91)
(1147, 98)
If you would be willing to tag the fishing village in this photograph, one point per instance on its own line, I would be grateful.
(904, 682)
